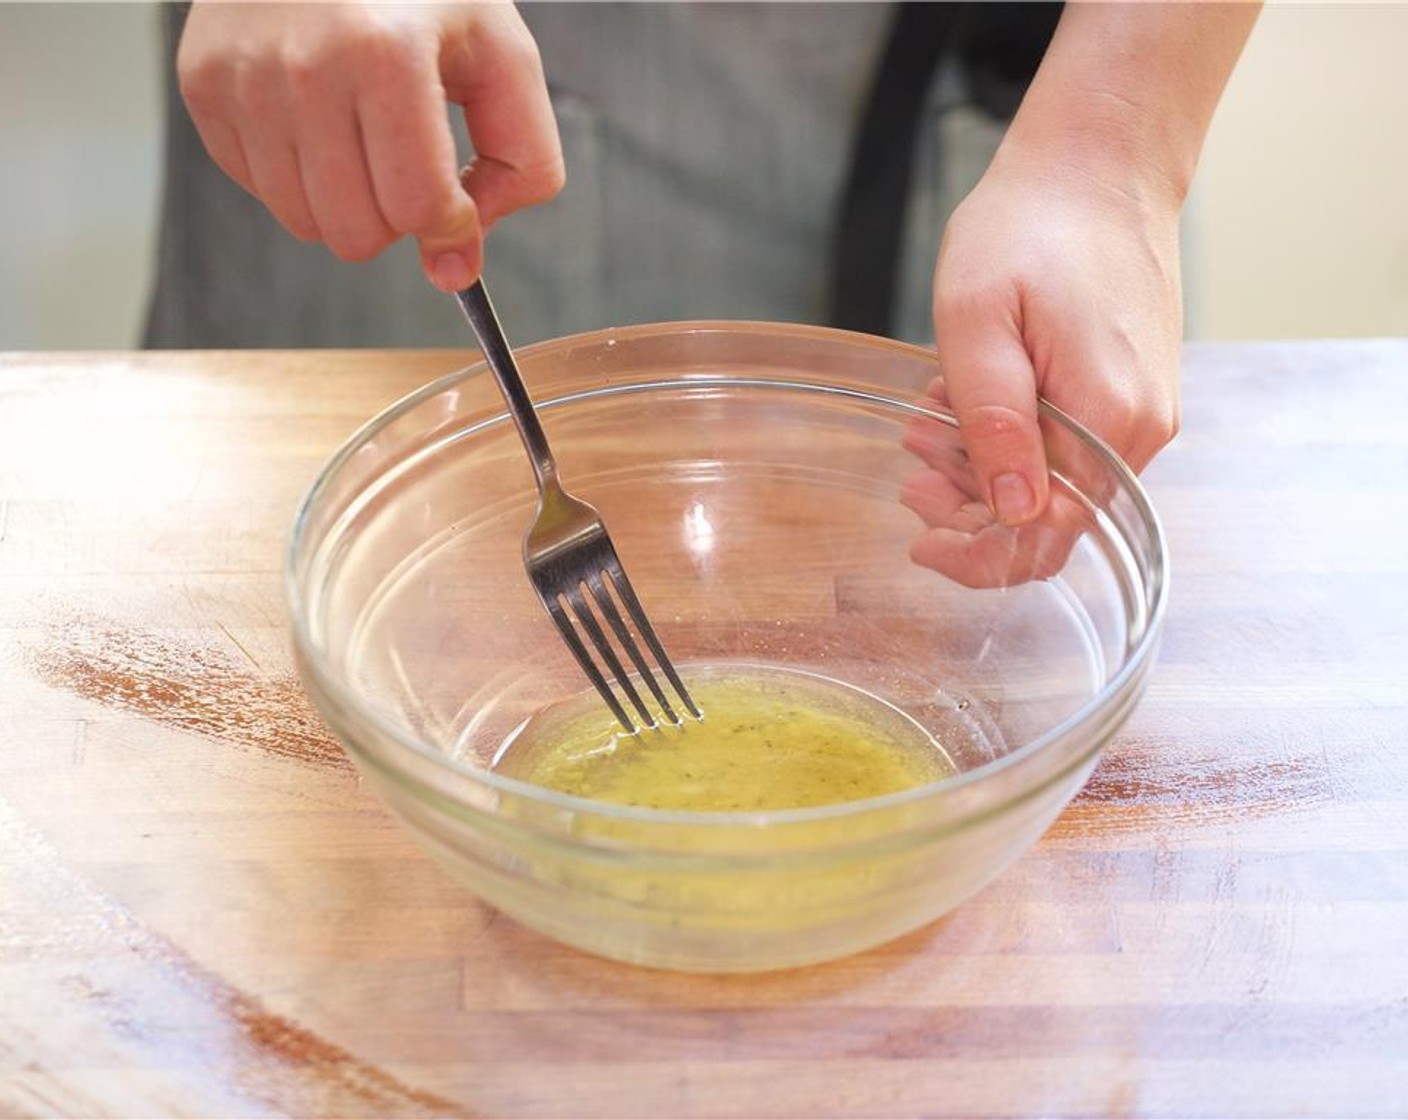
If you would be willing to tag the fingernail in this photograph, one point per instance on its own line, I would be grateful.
(1013, 498)
(450, 271)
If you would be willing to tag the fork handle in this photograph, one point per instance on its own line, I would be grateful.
(477, 308)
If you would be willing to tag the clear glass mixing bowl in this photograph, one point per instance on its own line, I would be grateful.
(761, 483)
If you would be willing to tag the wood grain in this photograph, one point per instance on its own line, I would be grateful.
(202, 913)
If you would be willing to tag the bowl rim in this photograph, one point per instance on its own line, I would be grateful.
(311, 659)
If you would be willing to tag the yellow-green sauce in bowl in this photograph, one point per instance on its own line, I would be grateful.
(770, 739)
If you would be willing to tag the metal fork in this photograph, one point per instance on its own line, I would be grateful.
(567, 549)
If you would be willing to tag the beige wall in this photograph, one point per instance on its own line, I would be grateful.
(1299, 220)
(1298, 226)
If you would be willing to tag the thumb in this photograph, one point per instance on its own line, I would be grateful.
(452, 249)
(991, 387)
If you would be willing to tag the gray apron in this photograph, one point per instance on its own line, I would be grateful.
(706, 145)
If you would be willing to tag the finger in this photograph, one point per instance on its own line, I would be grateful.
(518, 154)
(991, 558)
(206, 90)
(940, 504)
(991, 386)
(999, 555)
(414, 169)
(1136, 415)
(937, 393)
(273, 169)
(270, 153)
(939, 446)
(334, 168)
(223, 144)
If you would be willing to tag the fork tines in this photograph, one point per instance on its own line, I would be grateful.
(597, 587)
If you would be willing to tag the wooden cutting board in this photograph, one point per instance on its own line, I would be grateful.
(203, 913)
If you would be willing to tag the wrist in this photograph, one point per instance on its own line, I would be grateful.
(1126, 92)
(1099, 138)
